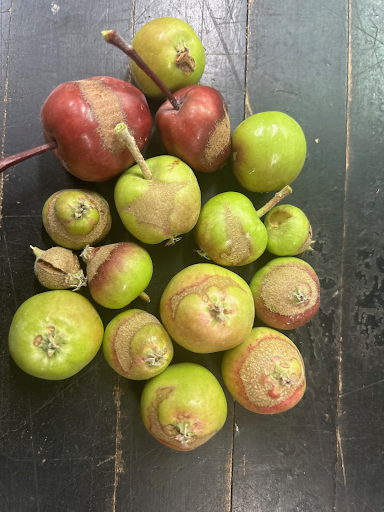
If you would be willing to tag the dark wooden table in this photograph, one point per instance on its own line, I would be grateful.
(79, 444)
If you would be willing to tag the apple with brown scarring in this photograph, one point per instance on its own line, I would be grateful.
(266, 373)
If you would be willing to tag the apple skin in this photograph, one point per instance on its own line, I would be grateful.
(206, 308)
(269, 151)
(173, 211)
(70, 120)
(186, 397)
(158, 43)
(117, 273)
(289, 231)
(263, 385)
(293, 277)
(199, 132)
(136, 345)
(230, 231)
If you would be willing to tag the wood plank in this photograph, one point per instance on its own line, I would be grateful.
(361, 391)
(297, 58)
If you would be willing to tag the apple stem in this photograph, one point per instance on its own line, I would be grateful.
(274, 201)
(145, 296)
(112, 37)
(8, 161)
(122, 132)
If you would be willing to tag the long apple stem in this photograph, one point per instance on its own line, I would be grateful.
(122, 132)
(273, 202)
(8, 161)
(112, 37)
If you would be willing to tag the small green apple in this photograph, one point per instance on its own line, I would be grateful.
(172, 49)
(269, 151)
(184, 406)
(136, 345)
(289, 231)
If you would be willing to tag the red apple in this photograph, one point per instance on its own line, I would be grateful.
(78, 120)
(265, 374)
(199, 132)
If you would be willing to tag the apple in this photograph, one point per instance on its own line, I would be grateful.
(193, 123)
(184, 406)
(229, 230)
(269, 151)
(117, 273)
(289, 231)
(136, 345)
(74, 218)
(78, 120)
(58, 269)
(286, 292)
(172, 49)
(199, 132)
(206, 308)
(158, 199)
(266, 373)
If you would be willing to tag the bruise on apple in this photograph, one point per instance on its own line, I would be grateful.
(106, 107)
(58, 232)
(172, 435)
(239, 243)
(219, 140)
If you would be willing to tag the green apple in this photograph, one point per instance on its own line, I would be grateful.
(172, 49)
(229, 230)
(136, 345)
(184, 406)
(207, 308)
(289, 231)
(269, 151)
(159, 198)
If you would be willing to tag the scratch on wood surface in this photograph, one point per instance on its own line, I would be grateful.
(339, 447)
(244, 465)
(229, 468)
(247, 105)
(119, 466)
(5, 101)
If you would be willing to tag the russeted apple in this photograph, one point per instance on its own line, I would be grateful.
(266, 373)
(78, 120)
(193, 123)
(206, 308)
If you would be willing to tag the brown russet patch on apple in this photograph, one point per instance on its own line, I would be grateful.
(185, 62)
(260, 363)
(219, 139)
(107, 109)
(97, 260)
(54, 225)
(53, 268)
(219, 282)
(281, 283)
(126, 332)
(307, 244)
(168, 433)
(155, 206)
(238, 242)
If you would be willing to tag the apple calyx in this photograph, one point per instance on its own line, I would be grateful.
(155, 357)
(184, 435)
(122, 132)
(218, 309)
(203, 254)
(112, 37)
(76, 212)
(8, 161)
(284, 192)
(285, 375)
(301, 294)
(49, 341)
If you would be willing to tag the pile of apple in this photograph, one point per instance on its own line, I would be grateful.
(206, 307)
